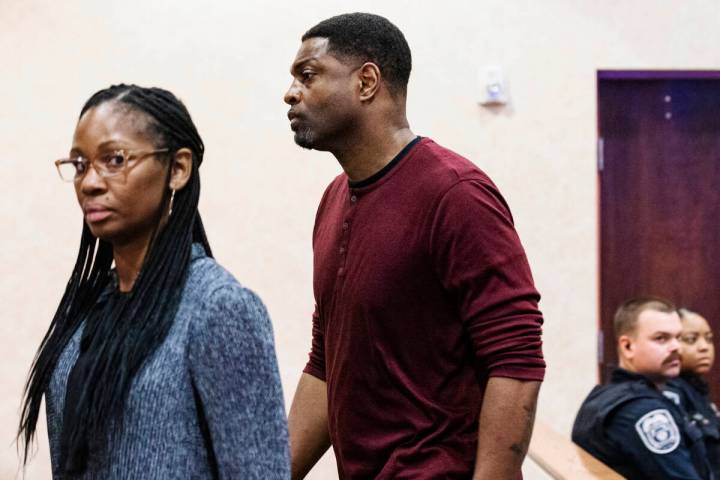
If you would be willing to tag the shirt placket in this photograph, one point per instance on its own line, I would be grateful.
(346, 227)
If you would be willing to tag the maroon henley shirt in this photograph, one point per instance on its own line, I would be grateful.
(422, 293)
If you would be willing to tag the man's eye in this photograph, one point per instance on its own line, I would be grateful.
(307, 75)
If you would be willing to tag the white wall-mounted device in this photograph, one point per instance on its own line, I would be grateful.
(492, 86)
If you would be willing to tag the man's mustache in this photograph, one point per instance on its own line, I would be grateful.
(671, 358)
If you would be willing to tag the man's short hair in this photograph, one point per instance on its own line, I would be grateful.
(368, 38)
(627, 314)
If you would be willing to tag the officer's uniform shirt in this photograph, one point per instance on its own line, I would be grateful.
(692, 393)
(634, 429)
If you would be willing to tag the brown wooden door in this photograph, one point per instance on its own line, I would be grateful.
(659, 167)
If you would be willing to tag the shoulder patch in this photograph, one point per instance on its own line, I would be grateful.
(658, 431)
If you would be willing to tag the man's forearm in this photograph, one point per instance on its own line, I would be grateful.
(308, 425)
(506, 422)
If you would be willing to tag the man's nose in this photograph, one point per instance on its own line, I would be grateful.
(292, 96)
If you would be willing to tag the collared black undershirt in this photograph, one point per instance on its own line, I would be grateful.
(383, 171)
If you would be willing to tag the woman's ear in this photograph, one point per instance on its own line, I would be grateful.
(181, 169)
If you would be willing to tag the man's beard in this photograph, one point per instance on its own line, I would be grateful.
(305, 138)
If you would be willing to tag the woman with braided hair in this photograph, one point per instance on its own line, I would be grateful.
(157, 364)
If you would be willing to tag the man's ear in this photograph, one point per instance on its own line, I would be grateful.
(625, 346)
(369, 77)
(181, 169)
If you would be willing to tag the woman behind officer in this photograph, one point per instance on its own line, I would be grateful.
(698, 355)
(163, 367)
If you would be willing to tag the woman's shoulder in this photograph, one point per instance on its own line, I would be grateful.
(205, 275)
(217, 295)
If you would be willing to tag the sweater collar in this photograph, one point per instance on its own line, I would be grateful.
(197, 251)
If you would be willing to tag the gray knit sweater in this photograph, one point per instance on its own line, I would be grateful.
(217, 365)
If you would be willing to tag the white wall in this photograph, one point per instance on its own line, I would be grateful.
(229, 62)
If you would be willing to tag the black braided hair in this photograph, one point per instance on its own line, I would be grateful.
(140, 321)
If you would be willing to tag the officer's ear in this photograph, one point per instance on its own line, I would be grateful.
(625, 345)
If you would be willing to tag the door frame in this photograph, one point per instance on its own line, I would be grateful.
(610, 74)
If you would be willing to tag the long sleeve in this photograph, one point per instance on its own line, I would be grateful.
(235, 374)
(316, 361)
(54, 401)
(55, 398)
(479, 259)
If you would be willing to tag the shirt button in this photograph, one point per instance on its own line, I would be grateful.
(342, 250)
(341, 270)
(346, 225)
(353, 199)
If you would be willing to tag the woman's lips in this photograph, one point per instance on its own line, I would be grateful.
(94, 216)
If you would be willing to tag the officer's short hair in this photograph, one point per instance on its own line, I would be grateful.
(627, 314)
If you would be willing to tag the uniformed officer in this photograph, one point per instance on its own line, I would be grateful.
(629, 424)
(691, 389)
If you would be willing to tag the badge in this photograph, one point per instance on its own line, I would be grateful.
(658, 431)
(674, 397)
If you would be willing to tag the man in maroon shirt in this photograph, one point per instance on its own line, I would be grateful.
(426, 356)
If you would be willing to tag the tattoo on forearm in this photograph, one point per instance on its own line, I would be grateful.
(517, 449)
(520, 448)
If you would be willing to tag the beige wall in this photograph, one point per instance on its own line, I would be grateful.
(229, 61)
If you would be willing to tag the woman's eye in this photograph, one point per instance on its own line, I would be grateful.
(114, 160)
(80, 164)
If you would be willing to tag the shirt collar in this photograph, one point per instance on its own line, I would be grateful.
(386, 169)
(620, 375)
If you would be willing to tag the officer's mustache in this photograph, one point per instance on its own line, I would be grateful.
(671, 358)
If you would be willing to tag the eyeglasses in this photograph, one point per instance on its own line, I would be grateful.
(106, 165)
